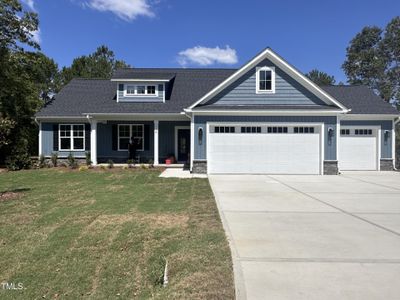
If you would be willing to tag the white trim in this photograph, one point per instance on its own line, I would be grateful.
(139, 80)
(71, 137)
(40, 150)
(117, 92)
(278, 61)
(288, 124)
(156, 146)
(379, 148)
(93, 141)
(130, 135)
(394, 143)
(192, 142)
(176, 139)
(337, 140)
(265, 68)
(135, 88)
(235, 112)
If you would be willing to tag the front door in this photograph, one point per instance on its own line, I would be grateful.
(183, 145)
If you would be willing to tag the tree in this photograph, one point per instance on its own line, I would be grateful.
(100, 64)
(321, 78)
(373, 59)
(27, 78)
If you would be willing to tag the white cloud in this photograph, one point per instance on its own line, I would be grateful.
(204, 56)
(36, 36)
(127, 10)
(30, 4)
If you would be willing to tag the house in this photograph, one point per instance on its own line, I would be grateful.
(264, 118)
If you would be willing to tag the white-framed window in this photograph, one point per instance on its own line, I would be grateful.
(71, 137)
(128, 131)
(265, 80)
(224, 129)
(250, 129)
(303, 129)
(138, 90)
(277, 129)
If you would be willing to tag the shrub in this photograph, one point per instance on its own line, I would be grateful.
(102, 167)
(143, 166)
(110, 164)
(83, 168)
(54, 159)
(88, 161)
(18, 161)
(71, 161)
(151, 163)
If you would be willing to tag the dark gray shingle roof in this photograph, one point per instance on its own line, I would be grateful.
(98, 96)
(187, 86)
(360, 99)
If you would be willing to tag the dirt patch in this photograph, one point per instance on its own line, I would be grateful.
(166, 220)
(7, 196)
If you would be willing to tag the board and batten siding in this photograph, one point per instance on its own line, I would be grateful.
(287, 91)
(159, 98)
(386, 144)
(166, 137)
(200, 151)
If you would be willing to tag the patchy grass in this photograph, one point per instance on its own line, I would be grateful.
(106, 234)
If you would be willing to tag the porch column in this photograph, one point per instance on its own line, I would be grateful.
(40, 150)
(156, 142)
(93, 142)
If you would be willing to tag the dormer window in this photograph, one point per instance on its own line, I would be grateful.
(265, 80)
(141, 90)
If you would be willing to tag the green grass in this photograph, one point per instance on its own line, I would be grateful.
(105, 234)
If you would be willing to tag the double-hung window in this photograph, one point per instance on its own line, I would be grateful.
(128, 131)
(265, 80)
(71, 137)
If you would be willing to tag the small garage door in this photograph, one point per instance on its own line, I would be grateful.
(264, 149)
(358, 148)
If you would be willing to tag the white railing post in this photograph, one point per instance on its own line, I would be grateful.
(156, 162)
(93, 142)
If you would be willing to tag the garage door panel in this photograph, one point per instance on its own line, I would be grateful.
(264, 153)
(358, 152)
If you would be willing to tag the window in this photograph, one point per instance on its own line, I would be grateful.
(71, 137)
(265, 80)
(128, 131)
(224, 129)
(250, 129)
(363, 132)
(277, 129)
(303, 130)
(141, 90)
(345, 132)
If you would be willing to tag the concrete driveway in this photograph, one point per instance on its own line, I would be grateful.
(313, 237)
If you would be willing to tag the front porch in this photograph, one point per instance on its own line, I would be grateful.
(159, 140)
(107, 140)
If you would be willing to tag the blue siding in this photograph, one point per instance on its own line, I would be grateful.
(287, 91)
(201, 121)
(386, 144)
(166, 135)
(47, 141)
(159, 98)
(104, 141)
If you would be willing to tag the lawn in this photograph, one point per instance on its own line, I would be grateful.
(105, 234)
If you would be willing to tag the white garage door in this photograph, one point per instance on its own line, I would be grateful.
(263, 149)
(358, 148)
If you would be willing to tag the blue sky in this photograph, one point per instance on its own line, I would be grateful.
(176, 33)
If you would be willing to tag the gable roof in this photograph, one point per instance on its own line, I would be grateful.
(82, 96)
(281, 63)
(86, 96)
